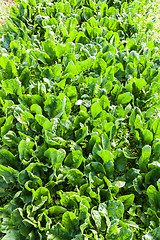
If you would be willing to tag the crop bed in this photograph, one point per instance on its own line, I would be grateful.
(79, 122)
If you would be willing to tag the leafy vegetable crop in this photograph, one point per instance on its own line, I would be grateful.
(79, 122)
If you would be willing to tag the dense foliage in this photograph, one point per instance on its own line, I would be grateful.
(79, 122)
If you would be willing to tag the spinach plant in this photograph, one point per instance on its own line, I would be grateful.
(79, 122)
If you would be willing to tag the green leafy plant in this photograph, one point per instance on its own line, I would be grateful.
(79, 122)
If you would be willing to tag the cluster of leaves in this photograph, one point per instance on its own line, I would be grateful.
(79, 125)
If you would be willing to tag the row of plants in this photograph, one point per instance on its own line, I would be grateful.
(79, 122)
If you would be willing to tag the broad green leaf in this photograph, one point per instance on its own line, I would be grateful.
(25, 176)
(70, 222)
(125, 234)
(144, 159)
(57, 70)
(105, 142)
(74, 159)
(99, 66)
(152, 176)
(36, 109)
(156, 128)
(81, 134)
(156, 148)
(70, 70)
(7, 126)
(58, 232)
(138, 123)
(3, 187)
(81, 38)
(71, 92)
(105, 155)
(104, 102)
(56, 156)
(43, 121)
(49, 48)
(57, 106)
(10, 72)
(95, 109)
(148, 136)
(95, 168)
(25, 149)
(54, 141)
(154, 197)
(118, 71)
(154, 165)
(127, 200)
(97, 218)
(104, 9)
(75, 177)
(25, 77)
(7, 104)
(131, 70)
(113, 229)
(28, 99)
(41, 56)
(39, 195)
(138, 184)
(140, 83)
(87, 12)
(85, 65)
(9, 174)
(120, 160)
(17, 217)
(124, 98)
(115, 209)
(56, 210)
(3, 61)
(14, 235)
(12, 86)
(10, 139)
(6, 158)
(107, 158)
(69, 199)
